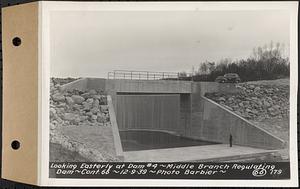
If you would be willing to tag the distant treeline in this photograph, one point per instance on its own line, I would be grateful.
(265, 63)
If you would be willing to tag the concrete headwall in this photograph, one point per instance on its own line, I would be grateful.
(148, 86)
(217, 124)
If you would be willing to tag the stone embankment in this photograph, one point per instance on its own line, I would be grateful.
(88, 108)
(256, 100)
(77, 108)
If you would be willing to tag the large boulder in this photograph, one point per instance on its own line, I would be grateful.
(92, 92)
(69, 100)
(58, 97)
(77, 99)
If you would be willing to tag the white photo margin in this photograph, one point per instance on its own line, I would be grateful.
(48, 8)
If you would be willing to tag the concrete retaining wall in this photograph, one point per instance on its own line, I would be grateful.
(218, 123)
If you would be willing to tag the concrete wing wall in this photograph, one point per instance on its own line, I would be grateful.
(115, 129)
(218, 123)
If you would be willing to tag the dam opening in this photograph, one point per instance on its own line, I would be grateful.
(148, 121)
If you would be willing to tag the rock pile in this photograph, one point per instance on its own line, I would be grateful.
(86, 108)
(256, 101)
(77, 108)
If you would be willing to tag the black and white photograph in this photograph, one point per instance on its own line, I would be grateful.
(170, 86)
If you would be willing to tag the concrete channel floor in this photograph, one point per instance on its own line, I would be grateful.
(218, 152)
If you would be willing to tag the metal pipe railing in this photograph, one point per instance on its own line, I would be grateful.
(144, 75)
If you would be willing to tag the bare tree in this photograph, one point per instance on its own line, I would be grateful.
(203, 68)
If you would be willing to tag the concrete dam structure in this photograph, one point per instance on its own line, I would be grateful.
(177, 107)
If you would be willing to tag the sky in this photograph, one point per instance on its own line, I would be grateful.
(91, 44)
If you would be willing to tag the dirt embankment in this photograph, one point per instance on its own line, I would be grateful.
(265, 103)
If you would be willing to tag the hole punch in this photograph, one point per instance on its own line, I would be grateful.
(16, 41)
(15, 144)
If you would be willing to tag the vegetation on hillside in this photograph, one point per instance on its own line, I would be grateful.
(265, 63)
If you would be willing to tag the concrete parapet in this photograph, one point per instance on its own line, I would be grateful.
(149, 86)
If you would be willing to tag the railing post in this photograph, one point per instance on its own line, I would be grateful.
(147, 75)
(114, 75)
(131, 75)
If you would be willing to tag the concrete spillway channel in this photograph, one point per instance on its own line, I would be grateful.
(172, 121)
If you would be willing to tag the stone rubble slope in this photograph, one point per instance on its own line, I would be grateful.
(256, 101)
(78, 108)
(87, 108)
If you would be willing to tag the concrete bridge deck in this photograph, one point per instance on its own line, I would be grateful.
(218, 152)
